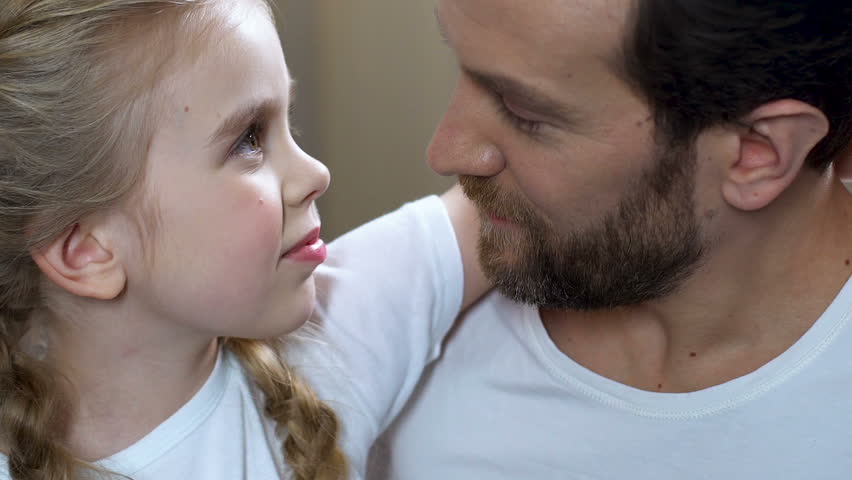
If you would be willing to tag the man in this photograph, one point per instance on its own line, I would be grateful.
(670, 244)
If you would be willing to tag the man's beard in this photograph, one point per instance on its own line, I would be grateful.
(642, 251)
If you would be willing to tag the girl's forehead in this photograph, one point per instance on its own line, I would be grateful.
(183, 38)
(236, 47)
(240, 67)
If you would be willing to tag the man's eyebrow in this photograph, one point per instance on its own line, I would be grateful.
(243, 117)
(525, 96)
(517, 91)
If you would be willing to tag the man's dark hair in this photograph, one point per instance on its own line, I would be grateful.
(702, 63)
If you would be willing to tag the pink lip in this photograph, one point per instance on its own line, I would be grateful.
(310, 250)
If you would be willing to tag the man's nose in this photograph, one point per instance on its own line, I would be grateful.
(461, 144)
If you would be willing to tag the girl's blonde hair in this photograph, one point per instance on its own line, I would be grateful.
(75, 121)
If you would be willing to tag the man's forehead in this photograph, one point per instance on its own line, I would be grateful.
(596, 23)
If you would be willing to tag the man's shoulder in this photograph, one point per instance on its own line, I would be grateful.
(495, 316)
(499, 305)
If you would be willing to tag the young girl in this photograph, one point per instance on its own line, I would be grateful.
(158, 228)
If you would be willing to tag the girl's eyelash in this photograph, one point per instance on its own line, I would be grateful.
(294, 130)
(250, 146)
(529, 127)
(252, 138)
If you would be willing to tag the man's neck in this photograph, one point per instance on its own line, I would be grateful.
(126, 376)
(764, 283)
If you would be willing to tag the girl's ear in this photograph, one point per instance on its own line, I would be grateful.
(81, 262)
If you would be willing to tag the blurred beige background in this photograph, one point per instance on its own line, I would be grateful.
(373, 80)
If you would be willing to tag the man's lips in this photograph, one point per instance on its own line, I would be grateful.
(497, 219)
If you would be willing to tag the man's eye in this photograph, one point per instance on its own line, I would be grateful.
(529, 127)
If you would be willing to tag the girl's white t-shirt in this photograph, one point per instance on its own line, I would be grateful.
(386, 297)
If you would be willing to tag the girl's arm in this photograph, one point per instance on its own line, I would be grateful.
(466, 221)
(386, 298)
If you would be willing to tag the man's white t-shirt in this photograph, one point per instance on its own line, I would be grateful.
(504, 403)
(387, 295)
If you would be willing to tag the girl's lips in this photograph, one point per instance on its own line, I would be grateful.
(310, 249)
(315, 252)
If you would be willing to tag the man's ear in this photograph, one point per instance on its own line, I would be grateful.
(772, 152)
(81, 262)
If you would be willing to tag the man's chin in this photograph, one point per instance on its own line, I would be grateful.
(502, 252)
(508, 269)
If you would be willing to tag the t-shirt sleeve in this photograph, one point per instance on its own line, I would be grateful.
(386, 297)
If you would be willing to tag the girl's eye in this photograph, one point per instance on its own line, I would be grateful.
(249, 149)
(249, 144)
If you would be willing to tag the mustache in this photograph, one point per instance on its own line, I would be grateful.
(491, 200)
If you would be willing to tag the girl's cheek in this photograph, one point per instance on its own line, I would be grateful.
(268, 214)
(255, 217)
(270, 219)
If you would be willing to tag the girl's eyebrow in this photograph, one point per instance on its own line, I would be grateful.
(239, 120)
